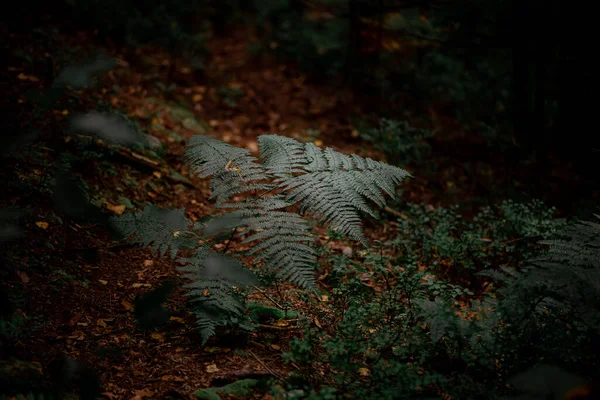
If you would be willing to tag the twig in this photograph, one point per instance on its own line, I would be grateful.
(261, 362)
(264, 293)
(279, 328)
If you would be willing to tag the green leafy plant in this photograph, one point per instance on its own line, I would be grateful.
(502, 234)
(400, 140)
(294, 179)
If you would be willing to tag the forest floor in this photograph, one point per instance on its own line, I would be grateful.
(76, 286)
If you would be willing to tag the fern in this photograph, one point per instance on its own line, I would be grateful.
(216, 291)
(331, 187)
(152, 226)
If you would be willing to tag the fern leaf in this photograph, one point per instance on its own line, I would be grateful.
(329, 185)
(214, 290)
(280, 238)
(233, 169)
(161, 228)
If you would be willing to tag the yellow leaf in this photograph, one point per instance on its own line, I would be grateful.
(318, 142)
(364, 371)
(157, 174)
(177, 319)
(101, 323)
(42, 224)
(116, 208)
(324, 298)
(158, 337)
(212, 368)
(318, 323)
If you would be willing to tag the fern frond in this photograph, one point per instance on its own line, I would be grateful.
(161, 228)
(329, 185)
(233, 169)
(214, 290)
(579, 245)
(281, 239)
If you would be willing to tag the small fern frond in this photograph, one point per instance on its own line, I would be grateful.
(161, 228)
(215, 290)
(579, 245)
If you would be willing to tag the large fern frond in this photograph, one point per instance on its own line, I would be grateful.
(330, 185)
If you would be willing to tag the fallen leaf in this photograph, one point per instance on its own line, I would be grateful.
(102, 281)
(140, 394)
(148, 263)
(42, 224)
(276, 347)
(116, 208)
(318, 142)
(24, 277)
(75, 319)
(158, 337)
(171, 378)
(216, 349)
(78, 335)
(177, 319)
(364, 371)
(212, 368)
(317, 323)
(101, 323)
(24, 77)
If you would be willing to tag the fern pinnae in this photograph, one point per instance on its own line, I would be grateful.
(164, 229)
(282, 156)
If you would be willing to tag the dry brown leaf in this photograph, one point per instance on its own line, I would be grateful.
(171, 378)
(24, 277)
(212, 368)
(75, 319)
(102, 281)
(158, 337)
(140, 394)
(127, 305)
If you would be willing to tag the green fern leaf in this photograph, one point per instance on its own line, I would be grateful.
(161, 228)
